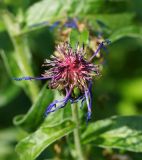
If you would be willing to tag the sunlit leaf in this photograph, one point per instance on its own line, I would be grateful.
(31, 146)
(49, 11)
(116, 132)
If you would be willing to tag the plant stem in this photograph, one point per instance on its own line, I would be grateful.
(76, 132)
(22, 53)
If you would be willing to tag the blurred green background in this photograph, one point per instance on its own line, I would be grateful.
(117, 92)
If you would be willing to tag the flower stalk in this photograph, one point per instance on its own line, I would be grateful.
(76, 133)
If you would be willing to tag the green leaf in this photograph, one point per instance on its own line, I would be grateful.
(8, 137)
(2, 27)
(13, 70)
(74, 37)
(21, 52)
(8, 89)
(130, 31)
(84, 37)
(116, 132)
(51, 12)
(47, 11)
(7, 93)
(132, 90)
(78, 37)
(31, 146)
(36, 112)
(113, 21)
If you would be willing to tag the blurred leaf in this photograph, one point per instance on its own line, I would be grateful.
(21, 52)
(8, 135)
(126, 107)
(2, 27)
(13, 69)
(74, 36)
(130, 31)
(114, 21)
(78, 37)
(116, 132)
(7, 93)
(132, 90)
(36, 112)
(30, 147)
(8, 90)
(49, 11)
(84, 37)
(16, 4)
(7, 138)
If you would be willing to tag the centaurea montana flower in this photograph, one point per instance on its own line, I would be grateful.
(67, 71)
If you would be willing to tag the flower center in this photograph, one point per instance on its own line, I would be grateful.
(72, 67)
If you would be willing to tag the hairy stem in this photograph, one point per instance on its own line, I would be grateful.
(76, 132)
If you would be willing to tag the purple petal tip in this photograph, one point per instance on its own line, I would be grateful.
(88, 116)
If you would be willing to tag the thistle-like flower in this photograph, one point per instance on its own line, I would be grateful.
(68, 71)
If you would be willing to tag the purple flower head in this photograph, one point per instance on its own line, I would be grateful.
(67, 71)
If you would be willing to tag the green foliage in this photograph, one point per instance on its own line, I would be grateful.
(58, 10)
(78, 38)
(7, 138)
(34, 144)
(26, 121)
(118, 91)
(116, 132)
(116, 20)
(8, 90)
(131, 31)
(8, 93)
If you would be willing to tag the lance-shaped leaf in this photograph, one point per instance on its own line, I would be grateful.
(31, 146)
(124, 132)
(35, 115)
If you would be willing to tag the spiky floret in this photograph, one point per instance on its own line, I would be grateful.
(67, 70)
(70, 69)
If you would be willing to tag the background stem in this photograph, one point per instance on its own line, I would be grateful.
(76, 132)
(21, 53)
